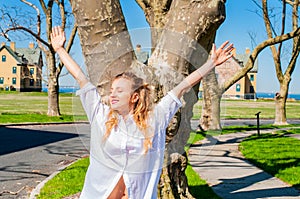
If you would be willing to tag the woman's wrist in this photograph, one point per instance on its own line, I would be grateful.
(59, 49)
(206, 68)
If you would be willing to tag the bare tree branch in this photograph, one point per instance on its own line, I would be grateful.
(256, 51)
(38, 25)
(292, 2)
(30, 32)
(61, 6)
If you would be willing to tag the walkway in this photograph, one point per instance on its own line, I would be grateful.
(219, 162)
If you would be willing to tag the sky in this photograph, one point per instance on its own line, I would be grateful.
(240, 20)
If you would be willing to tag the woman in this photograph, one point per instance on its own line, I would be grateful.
(128, 137)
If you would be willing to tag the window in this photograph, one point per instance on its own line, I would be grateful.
(38, 82)
(14, 80)
(251, 78)
(3, 58)
(31, 71)
(238, 88)
(31, 83)
(1, 80)
(251, 89)
(14, 70)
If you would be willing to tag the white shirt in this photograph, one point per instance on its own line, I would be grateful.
(122, 153)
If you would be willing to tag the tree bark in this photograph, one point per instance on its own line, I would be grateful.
(53, 87)
(189, 22)
(280, 110)
(210, 114)
(104, 39)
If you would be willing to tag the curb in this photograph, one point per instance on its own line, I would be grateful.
(38, 188)
(41, 123)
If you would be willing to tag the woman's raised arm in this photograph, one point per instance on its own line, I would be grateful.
(218, 56)
(58, 40)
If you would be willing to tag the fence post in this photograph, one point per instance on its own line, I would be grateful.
(257, 118)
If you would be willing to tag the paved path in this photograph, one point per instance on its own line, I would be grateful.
(219, 162)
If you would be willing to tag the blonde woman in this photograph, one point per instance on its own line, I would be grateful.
(128, 136)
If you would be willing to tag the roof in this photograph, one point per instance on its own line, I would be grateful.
(29, 56)
(243, 58)
(12, 53)
(32, 55)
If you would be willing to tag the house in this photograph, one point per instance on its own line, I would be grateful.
(245, 88)
(20, 68)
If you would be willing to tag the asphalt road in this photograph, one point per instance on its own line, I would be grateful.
(29, 154)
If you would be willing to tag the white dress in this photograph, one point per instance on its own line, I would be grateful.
(122, 153)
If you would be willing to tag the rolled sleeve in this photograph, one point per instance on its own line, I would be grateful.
(167, 108)
(90, 100)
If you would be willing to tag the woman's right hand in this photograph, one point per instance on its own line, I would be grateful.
(58, 38)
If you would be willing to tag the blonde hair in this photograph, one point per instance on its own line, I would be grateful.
(141, 109)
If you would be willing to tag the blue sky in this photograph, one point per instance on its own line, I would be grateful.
(240, 20)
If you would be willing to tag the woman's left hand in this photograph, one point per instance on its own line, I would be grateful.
(222, 54)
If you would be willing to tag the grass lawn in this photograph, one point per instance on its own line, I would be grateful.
(68, 182)
(31, 107)
(17, 107)
(276, 154)
(235, 109)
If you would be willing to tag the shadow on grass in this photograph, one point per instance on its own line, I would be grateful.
(236, 129)
(199, 190)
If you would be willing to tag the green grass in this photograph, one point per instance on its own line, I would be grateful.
(68, 182)
(248, 108)
(36, 103)
(32, 107)
(276, 154)
(198, 187)
(11, 118)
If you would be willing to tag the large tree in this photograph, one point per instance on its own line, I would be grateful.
(38, 25)
(178, 29)
(284, 77)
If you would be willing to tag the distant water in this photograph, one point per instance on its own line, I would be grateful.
(259, 95)
(271, 95)
(63, 89)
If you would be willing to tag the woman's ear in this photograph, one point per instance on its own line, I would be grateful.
(135, 97)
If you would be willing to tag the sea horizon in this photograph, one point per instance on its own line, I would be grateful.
(267, 95)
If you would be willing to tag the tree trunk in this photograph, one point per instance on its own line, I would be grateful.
(104, 39)
(188, 22)
(53, 87)
(280, 105)
(210, 115)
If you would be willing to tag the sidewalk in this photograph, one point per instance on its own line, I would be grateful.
(218, 161)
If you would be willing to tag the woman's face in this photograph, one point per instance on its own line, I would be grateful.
(120, 95)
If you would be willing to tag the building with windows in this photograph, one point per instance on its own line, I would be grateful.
(245, 88)
(20, 68)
